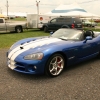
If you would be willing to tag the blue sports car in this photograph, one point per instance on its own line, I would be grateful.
(50, 54)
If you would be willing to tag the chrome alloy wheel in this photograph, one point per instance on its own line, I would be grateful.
(56, 65)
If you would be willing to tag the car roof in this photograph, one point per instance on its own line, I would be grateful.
(67, 17)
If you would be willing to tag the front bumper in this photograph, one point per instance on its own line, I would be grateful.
(26, 66)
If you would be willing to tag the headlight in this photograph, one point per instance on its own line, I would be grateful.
(35, 56)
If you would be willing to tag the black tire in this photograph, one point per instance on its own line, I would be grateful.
(41, 29)
(55, 65)
(98, 56)
(65, 26)
(45, 29)
(18, 29)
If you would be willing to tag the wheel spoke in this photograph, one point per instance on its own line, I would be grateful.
(52, 69)
(56, 71)
(60, 61)
(51, 63)
(60, 64)
(56, 59)
(59, 67)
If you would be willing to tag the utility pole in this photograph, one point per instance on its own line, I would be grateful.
(37, 4)
(0, 10)
(7, 7)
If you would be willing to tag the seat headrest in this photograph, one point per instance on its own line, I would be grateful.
(89, 33)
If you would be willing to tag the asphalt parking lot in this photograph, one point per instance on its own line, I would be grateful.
(78, 82)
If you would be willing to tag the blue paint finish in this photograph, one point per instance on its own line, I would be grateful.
(74, 51)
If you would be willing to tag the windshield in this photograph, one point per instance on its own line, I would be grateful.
(67, 34)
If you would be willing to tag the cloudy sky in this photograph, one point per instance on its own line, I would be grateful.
(45, 6)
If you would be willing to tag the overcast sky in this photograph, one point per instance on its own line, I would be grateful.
(45, 6)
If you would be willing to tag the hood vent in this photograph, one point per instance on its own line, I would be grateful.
(21, 48)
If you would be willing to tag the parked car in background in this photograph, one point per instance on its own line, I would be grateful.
(10, 26)
(88, 23)
(62, 22)
(51, 54)
(97, 20)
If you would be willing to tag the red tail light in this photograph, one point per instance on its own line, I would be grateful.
(73, 26)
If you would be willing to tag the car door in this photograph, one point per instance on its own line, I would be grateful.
(86, 48)
(2, 26)
(52, 24)
(60, 22)
(68, 22)
(81, 50)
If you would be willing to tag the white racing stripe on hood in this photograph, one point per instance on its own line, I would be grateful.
(45, 41)
(13, 51)
(18, 48)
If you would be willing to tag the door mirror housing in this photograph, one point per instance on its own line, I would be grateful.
(88, 38)
(51, 33)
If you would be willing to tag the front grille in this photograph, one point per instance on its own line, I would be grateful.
(20, 67)
(19, 64)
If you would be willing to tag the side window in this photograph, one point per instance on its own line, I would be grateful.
(60, 20)
(1, 20)
(77, 20)
(67, 20)
(53, 20)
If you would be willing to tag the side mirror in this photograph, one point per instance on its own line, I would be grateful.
(88, 38)
(51, 33)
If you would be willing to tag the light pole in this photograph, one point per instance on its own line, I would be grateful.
(7, 7)
(0, 10)
(37, 4)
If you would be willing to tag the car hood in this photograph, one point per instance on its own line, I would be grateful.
(38, 45)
